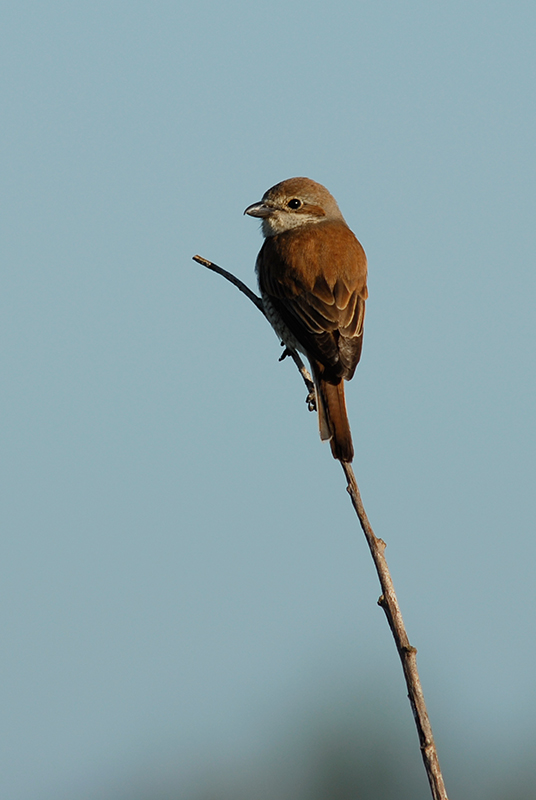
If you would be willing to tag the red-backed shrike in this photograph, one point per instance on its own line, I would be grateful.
(312, 275)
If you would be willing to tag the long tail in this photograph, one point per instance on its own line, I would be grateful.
(333, 417)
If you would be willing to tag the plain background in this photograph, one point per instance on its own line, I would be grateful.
(183, 583)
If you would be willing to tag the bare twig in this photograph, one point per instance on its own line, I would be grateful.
(388, 600)
(233, 279)
(407, 653)
(256, 300)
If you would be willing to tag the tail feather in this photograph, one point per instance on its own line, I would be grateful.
(323, 419)
(333, 417)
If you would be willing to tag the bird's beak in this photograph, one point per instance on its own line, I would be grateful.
(259, 210)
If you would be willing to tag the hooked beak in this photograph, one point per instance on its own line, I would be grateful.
(259, 210)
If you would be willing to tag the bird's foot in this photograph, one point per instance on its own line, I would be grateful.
(311, 400)
(286, 352)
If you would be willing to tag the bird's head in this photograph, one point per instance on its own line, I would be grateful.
(293, 203)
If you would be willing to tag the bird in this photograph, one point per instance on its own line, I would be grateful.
(312, 276)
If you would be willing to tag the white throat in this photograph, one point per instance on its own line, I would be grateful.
(281, 221)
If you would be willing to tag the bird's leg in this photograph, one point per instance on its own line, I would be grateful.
(311, 396)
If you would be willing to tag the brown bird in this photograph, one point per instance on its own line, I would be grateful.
(312, 274)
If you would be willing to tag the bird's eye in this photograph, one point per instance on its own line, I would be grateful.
(294, 203)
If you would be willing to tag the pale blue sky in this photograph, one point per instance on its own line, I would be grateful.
(181, 568)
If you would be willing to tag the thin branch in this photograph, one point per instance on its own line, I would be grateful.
(408, 654)
(388, 600)
(256, 300)
(233, 279)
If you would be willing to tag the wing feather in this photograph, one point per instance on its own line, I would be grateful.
(315, 278)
